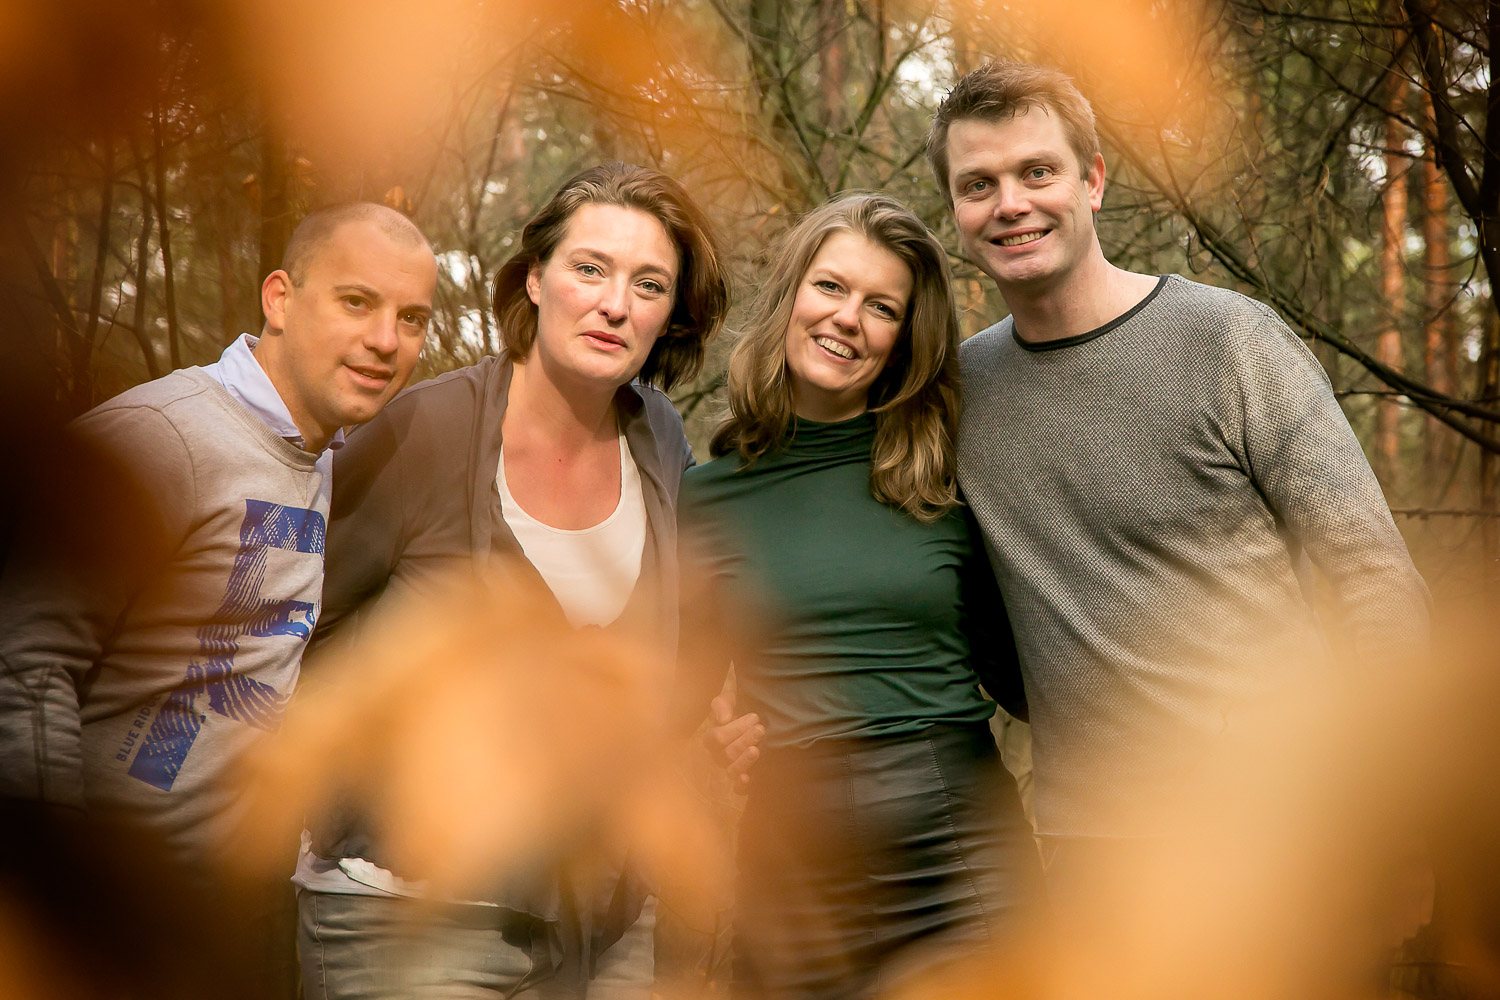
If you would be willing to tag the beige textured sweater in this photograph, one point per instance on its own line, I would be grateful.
(1144, 491)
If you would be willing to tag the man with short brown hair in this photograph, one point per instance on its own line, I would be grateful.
(1148, 458)
(154, 611)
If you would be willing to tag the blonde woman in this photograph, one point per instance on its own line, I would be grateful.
(880, 821)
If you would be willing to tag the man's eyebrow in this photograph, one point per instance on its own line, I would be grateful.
(364, 290)
(375, 296)
(1046, 159)
(967, 174)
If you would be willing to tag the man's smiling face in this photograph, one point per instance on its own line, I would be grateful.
(1023, 205)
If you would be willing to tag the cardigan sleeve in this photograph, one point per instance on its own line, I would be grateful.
(367, 520)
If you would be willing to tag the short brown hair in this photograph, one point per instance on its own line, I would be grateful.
(702, 296)
(1001, 90)
(318, 227)
(915, 398)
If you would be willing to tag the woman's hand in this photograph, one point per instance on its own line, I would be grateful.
(733, 742)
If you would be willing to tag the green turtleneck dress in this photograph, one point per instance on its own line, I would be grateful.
(850, 617)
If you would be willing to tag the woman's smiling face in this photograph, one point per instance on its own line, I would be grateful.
(848, 315)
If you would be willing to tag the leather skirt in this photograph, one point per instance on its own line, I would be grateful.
(865, 858)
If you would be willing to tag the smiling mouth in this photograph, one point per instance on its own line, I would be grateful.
(834, 347)
(380, 375)
(1019, 240)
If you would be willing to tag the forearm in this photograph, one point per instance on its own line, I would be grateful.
(41, 755)
(1309, 465)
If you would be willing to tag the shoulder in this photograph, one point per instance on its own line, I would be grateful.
(713, 481)
(154, 420)
(428, 415)
(988, 339)
(649, 405)
(659, 409)
(138, 455)
(1232, 315)
(169, 399)
(981, 350)
(715, 470)
(450, 394)
(1242, 335)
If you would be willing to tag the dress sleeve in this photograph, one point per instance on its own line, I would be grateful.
(109, 512)
(1306, 461)
(986, 625)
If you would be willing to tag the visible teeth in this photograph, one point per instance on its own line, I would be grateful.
(1015, 241)
(842, 350)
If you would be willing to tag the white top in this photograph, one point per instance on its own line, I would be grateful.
(591, 571)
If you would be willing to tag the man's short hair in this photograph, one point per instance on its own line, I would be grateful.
(317, 227)
(998, 91)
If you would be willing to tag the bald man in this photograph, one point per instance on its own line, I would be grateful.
(155, 609)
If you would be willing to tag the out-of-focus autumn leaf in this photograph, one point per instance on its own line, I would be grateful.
(478, 731)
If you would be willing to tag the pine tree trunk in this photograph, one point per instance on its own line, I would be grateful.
(1392, 276)
(1440, 349)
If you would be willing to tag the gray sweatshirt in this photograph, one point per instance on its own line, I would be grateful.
(155, 609)
(1144, 491)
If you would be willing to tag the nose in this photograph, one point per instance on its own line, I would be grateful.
(382, 337)
(1011, 200)
(846, 317)
(614, 301)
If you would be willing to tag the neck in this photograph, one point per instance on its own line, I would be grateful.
(829, 413)
(538, 409)
(268, 355)
(1086, 299)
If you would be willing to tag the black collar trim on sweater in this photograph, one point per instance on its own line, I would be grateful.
(1084, 338)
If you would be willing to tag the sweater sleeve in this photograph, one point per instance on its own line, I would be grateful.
(108, 514)
(1306, 461)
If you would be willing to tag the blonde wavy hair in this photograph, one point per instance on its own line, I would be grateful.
(915, 398)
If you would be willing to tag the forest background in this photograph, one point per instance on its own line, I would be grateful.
(1336, 159)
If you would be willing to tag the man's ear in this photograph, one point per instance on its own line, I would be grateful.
(274, 292)
(1095, 182)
